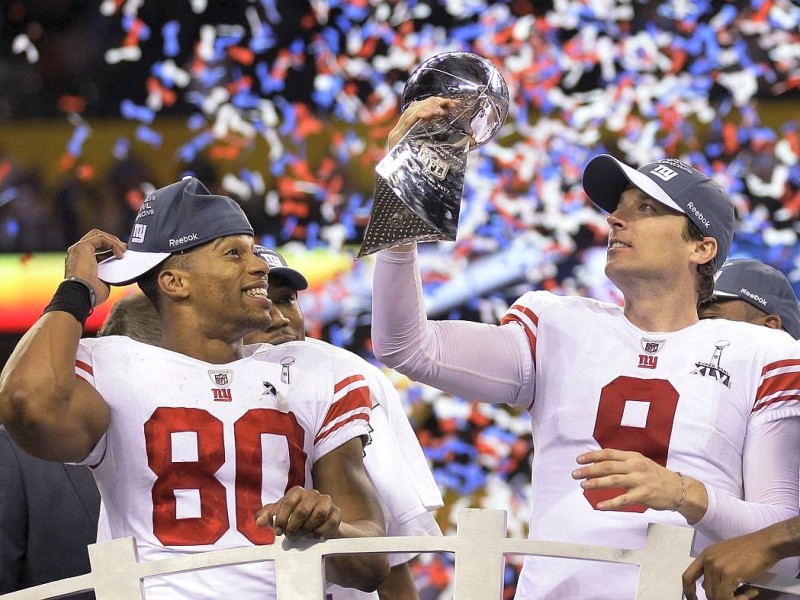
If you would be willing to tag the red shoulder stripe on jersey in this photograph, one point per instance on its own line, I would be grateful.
(82, 378)
(786, 398)
(356, 398)
(347, 381)
(512, 318)
(322, 435)
(779, 381)
(524, 310)
(780, 364)
(85, 366)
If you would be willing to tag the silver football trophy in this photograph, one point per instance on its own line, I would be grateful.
(420, 182)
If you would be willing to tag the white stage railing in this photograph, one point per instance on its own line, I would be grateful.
(480, 545)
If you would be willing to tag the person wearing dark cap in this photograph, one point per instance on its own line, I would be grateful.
(640, 414)
(200, 444)
(749, 290)
(394, 459)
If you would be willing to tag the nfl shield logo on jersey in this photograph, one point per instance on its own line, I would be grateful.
(221, 377)
(652, 346)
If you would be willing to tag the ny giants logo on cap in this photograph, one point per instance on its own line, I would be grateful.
(664, 173)
(139, 229)
(272, 260)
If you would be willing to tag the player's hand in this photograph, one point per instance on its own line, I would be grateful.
(643, 481)
(81, 260)
(420, 110)
(726, 564)
(302, 513)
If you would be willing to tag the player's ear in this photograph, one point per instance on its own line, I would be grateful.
(173, 283)
(704, 250)
(772, 321)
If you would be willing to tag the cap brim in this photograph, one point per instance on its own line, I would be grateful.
(605, 178)
(132, 265)
(295, 278)
(720, 294)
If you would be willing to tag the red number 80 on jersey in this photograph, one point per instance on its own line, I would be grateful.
(199, 475)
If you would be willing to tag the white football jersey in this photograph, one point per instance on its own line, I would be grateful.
(194, 449)
(686, 399)
(395, 464)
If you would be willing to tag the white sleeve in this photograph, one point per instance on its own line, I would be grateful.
(770, 487)
(476, 361)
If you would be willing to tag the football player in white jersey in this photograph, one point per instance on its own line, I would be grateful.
(641, 413)
(394, 459)
(750, 291)
(200, 444)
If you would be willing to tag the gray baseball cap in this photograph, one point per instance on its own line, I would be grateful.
(277, 266)
(177, 217)
(762, 286)
(672, 183)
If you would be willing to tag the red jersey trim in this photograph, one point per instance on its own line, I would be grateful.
(786, 385)
(347, 381)
(84, 366)
(321, 436)
(353, 400)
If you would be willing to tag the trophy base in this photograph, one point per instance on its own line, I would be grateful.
(393, 224)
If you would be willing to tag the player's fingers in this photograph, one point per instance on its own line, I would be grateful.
(603, 469)
(690, 577)
(312, 514)
(603, 455)
(746, 593)
(328, 519)
(290, 508)
(719, 585)
(266, 514)
(100, 240)
(418, 111)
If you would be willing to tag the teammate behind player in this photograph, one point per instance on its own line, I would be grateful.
(670, 419)
(749, 290)
(199, 444)
(394, 459)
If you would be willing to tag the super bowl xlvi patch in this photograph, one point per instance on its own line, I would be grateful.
(221, 377)
(712, 368)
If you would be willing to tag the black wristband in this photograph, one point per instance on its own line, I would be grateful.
(72, 297)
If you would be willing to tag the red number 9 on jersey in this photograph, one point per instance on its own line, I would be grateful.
(652, 440)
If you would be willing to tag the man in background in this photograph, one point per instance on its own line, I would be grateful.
(134, 316)
(49, 510)
(749, 290)
(394, 459)
(48, 515)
